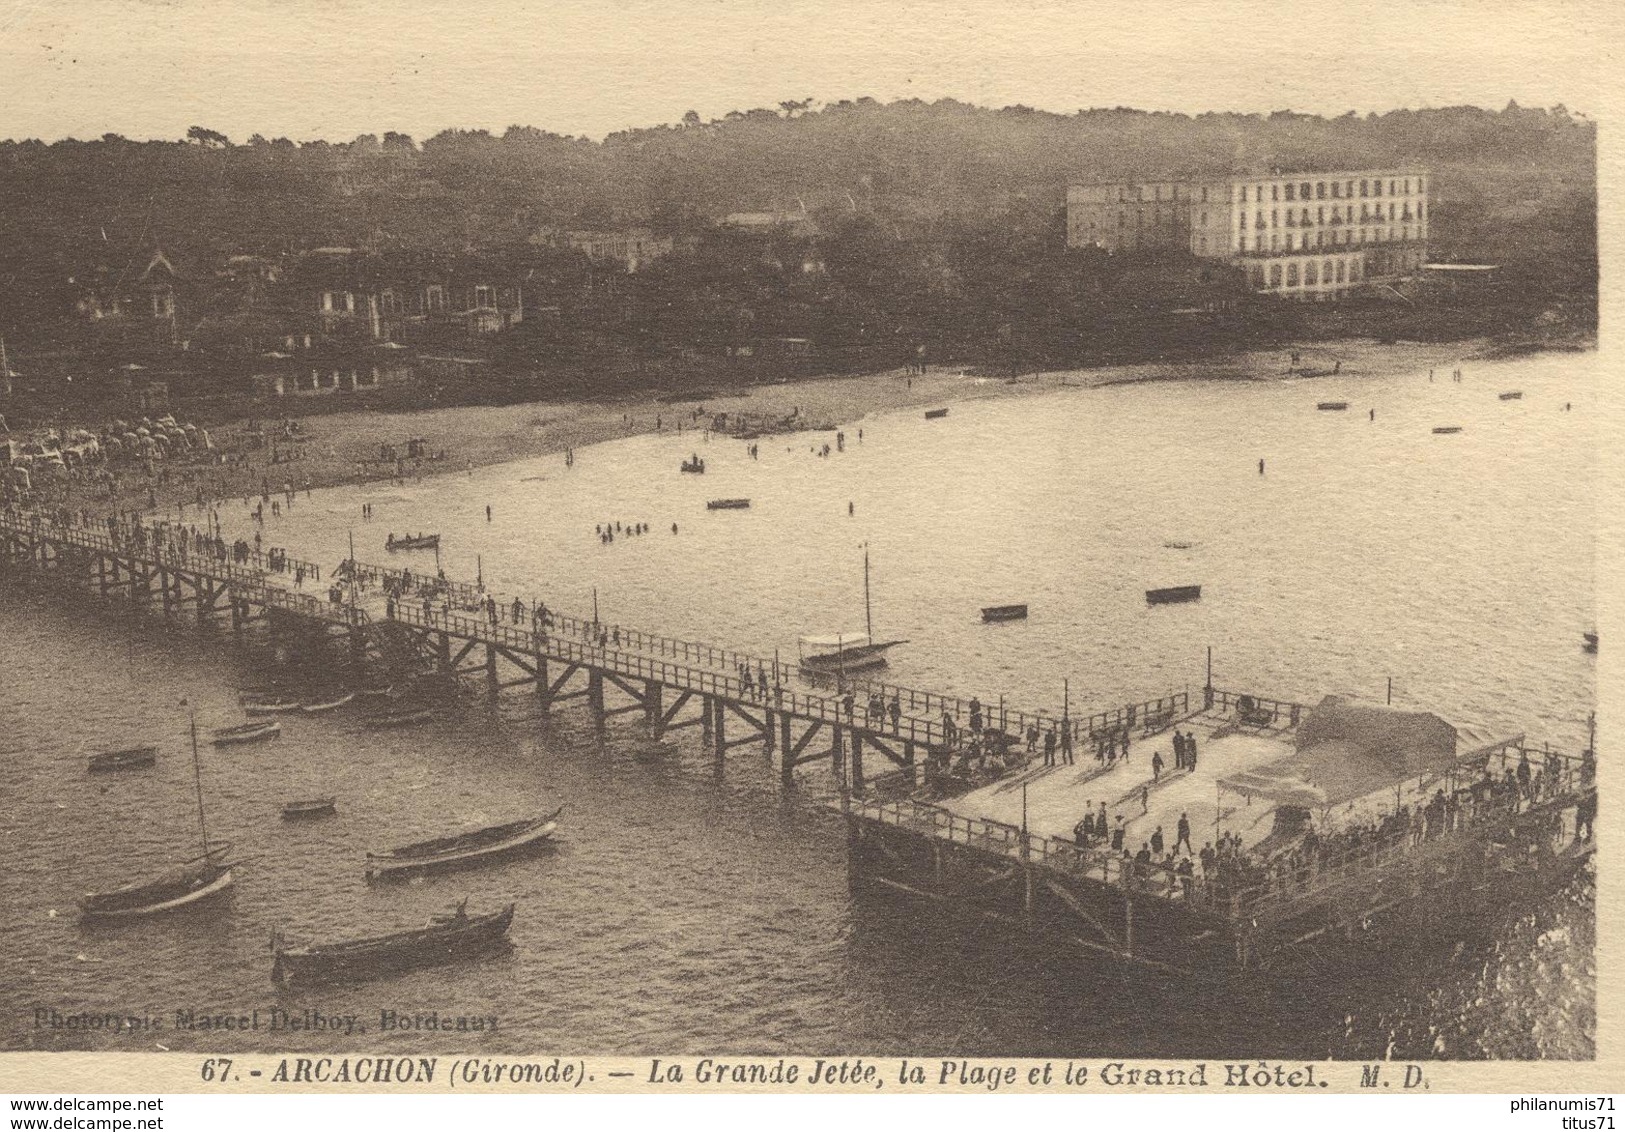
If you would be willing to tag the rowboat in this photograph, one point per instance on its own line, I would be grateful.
(1445, 430)
(694, 464)
(457, 849)
(1004, 613)
(407, 718)
(327, 705)
(935, 414)
(245, 733)
(412, 542)
(727, 505)
(1512, 395)
(195, 880)
(123, 760)
(1591, 642)
(276, 706)
(445, 937)
(1332, 406)
(1171, 594)
(309, 808)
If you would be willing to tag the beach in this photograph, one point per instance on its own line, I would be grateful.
(345, 447)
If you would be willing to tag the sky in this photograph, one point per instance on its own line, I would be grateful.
(338, 68)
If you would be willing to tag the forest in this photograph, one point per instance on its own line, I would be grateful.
(939, 219)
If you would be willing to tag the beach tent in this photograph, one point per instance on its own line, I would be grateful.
(1346, 750)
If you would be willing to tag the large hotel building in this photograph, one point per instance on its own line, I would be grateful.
(1309, 236)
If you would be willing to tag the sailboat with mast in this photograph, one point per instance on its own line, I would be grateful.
(196, 879)
(836, 654)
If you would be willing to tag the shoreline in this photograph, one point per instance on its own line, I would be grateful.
(343, 448)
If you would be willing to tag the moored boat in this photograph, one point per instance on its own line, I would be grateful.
(1332, 406)
(461, 848)
(309, 808)
(194, 881)
(412, 542)
(123, 760)
(444, 938)
(1170, 594)
(842, 652)
(409, 717)
(327, 705)
(935, 414)
(693, 464)
(272, 706)
(1512, 395)
(245, 733)
(1591, 642)
(1004, 613)
(1445, 430)
(727, 505)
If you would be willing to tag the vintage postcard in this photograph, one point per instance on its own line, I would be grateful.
(807, 548)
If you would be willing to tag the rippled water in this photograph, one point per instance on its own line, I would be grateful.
(687, 912)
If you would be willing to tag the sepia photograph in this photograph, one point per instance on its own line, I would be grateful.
(750, 539)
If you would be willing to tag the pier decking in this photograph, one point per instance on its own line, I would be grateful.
(1004, 847)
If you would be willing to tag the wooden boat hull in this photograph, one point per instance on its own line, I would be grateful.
(400, 862)
(443, 941)
(1332, 406)
(1173, 594)
(1004, 613)
(935, 414)
(329, 705)
(315, 807)
(279, 707)
(1446, 430)
(727, 505)
(413, 544)
(236, 736)
(218, 884)
(1515, 395)
(123, 760)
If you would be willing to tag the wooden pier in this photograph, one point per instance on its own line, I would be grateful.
(971, 852)
(465, 631)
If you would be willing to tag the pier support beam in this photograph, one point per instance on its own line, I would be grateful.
(654, 694)
(544, 689)
(595, 697)
(857, 762)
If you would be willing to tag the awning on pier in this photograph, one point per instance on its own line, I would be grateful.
(1346, 751)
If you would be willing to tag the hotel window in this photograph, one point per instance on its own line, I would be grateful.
(1244, 194)
(1337, 190)
(1419, 207)
(1291, 275)
(1320, 215)
(1407, 186)
(1311, 274)
(1391, 188)
(1201, 244)
(1342, 271)
(1305, 218)
(1275, 192)
(1303, 190)
(1289, 189)
(1365, 188)
(1326, 272)
(1275, 242)
(1289, 221)
(485, 297)
(1275, 275)
(1261, 223)
(1405, 234)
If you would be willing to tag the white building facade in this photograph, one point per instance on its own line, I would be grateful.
(1307, 236)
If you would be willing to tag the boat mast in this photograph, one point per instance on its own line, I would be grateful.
(197, 778)
(868, 617)
(352, 569)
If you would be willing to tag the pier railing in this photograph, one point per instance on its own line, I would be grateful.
(156, 545)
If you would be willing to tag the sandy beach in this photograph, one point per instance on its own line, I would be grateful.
(345, 447)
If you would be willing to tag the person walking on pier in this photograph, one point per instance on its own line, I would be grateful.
(976, 716)
(1145, 800)
(1156, 766)
(1156, 842)
(1183, 829)
(1032, 738)
(896, 711)
(1066, 743)
(1049, 747)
